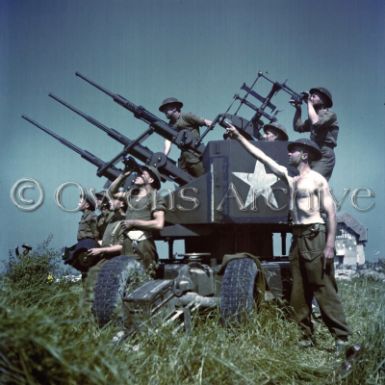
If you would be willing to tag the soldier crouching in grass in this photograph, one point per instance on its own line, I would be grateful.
(312, 249)
(144, 215)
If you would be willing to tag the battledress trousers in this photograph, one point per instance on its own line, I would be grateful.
(309, 280)
(188, 160)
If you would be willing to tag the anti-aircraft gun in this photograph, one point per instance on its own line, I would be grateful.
(226, 218)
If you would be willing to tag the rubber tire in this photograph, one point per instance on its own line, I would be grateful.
(111, 284)
(238, 289)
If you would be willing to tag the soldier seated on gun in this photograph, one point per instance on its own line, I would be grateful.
(312, 249)
(273, 132)
(188, 160)
(145, 214)
(322, 125)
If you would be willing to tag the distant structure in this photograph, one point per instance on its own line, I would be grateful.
(350, 241)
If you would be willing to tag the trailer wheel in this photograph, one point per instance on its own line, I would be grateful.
(115, 277)
(238, 289)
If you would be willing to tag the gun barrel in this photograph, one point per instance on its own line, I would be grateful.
(160, 126)
(110, 173)
(110, 131)
(169, 171)
(100, 88)
(54, 135)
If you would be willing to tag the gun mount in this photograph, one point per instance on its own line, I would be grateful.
(251, 127)
(226, 217)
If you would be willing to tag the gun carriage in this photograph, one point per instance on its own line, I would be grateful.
(226, 217)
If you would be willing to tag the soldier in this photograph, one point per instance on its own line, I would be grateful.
(312, 249)
(112, 242)
(87, 226)
(111, 246)
(145, 214)
(87, 235)
(273, 132)
(105, 215)
(188, 160)
(322, 125)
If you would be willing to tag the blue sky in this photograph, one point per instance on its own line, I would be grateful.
(199, 51)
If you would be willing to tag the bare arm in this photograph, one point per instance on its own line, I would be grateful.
(313, 116)
(166, 147)
(208, 122)
(277, 169)
(113, 189)
(328, 206)
(110, 250)
(156, 223)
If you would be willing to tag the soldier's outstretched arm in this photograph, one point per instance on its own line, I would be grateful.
(277, 169)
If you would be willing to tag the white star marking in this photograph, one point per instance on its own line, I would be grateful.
(260, 183)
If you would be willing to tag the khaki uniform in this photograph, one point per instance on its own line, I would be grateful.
(143, 249)
(188, 161)
(113, 235)
(309, 280)
(87, 226)
(324, 133)
(103, 219)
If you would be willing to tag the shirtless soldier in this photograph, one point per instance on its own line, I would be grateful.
(312, 249)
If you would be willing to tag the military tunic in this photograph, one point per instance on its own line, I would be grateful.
(143, 208)
(103, 219)
(309, 280)
(113, 235)
(87, 226)
(324, 133)
(188, 160)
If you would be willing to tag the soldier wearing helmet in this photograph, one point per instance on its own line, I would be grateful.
(322, 125)
(188, 160)
(312, 250)
(88, 224)
(145, 214)
(273, 132)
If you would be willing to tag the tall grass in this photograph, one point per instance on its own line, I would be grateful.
(45, 338)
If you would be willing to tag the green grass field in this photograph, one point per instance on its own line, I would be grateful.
(47, 339)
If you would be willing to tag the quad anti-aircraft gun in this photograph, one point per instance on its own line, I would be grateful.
(226, 217)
